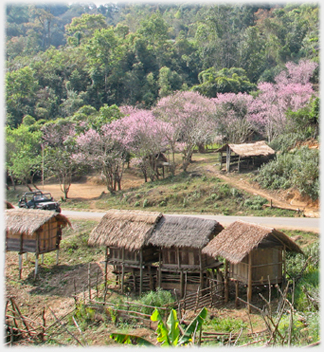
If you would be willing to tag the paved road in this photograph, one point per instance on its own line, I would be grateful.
(305, 224)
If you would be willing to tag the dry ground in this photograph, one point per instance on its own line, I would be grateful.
(92, 187)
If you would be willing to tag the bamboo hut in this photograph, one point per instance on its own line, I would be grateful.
(180, 240)
(245, 155)
(125, 235)
(254, 255)
(35, 231)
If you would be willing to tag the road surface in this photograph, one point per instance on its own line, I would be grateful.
(303, 224)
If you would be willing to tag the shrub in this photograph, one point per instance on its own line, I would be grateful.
(226, 324)
(158, 298)
(298, 169)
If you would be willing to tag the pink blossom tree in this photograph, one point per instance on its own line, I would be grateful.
(231, 119)
(139, 131)
(188, 116)
(291, 91)
(59, 147)
(103, 151)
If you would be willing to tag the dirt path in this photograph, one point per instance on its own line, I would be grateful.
(93, 187)
(284, 198)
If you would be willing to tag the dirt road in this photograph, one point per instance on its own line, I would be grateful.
(305, 224)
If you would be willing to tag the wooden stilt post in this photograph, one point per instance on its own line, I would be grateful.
(57, 256)
(228, 159)
(181, 284)
(106, 267)
(141, 271)
(249, 288)
(201, 271)
(160, 271)
(42, 258)
(123, 270)
(238, 163)
(236, 293)
(20, 265)
(36, 265)
(226, 282)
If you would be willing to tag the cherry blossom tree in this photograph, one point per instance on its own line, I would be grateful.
(139, 131)
(104, 152)
(188, 116)
(231, 119)
(291, 91)
(59, 148)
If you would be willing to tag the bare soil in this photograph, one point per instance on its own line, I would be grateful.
(92, 187)
(60, 298)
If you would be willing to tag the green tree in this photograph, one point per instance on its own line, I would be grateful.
(103, 52)
(23, 154)
(82, 28)
(21, 88)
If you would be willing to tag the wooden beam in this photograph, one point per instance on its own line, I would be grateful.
(201, 270)
(106, 267)
(123, 270)
(228, 159)
(160, 269)
(20, 265)
(249, 288)
(236, 293)
(226, 282)
(141, 271)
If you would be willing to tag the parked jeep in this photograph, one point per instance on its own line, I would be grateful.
(39, 200)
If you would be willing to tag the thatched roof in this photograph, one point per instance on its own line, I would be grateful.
(124, 228)
(27, 221)
(249, 149)
(180, 231)
(240, 238)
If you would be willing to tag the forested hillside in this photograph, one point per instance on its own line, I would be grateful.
(62, 57)
(90, 86)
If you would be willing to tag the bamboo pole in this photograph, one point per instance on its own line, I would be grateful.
(141, 271)
(226, 282)
(201, 271)
(249, 288)
(123, 270)
(20, 265)
(236, 293)
(36, 265)
(228, 159)
(106, 267)
(160, 271)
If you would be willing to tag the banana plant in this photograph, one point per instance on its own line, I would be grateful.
(169, 334)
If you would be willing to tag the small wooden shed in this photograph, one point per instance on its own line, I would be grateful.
(35, 231)
(254, 254)
(245, 155)
(125, 235)
(180, 240)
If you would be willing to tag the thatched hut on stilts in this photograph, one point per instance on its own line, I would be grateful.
(35, 231)
(180, 240)
(254, 255)
(125, 235)
(245, 155)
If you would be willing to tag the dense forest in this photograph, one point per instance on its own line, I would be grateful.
(62, 57)
(78, 76)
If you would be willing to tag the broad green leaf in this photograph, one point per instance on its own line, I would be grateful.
(127, 339)
(173, 326)
(195, 325)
